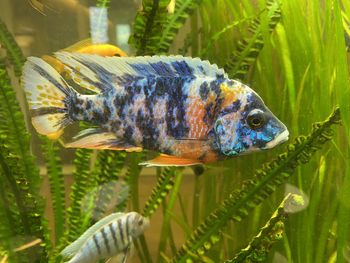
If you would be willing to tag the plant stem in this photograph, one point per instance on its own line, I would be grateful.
(164, 234)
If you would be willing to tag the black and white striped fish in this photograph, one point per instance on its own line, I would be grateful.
(110, 236)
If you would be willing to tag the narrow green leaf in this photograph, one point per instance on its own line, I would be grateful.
(260, 245)
(14, 53)
(248, 49)
(164, 185)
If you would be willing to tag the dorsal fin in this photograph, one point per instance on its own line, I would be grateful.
(107, 69)
(73, 248)
(79, 45)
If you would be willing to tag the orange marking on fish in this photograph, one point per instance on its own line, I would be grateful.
(230, 95)
(166, 160)
(211, 98)
(194, 116)
(191, 149)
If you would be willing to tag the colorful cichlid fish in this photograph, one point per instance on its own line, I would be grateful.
(185, 108)
(110, 236)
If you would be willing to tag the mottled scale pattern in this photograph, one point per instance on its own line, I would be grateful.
(158, 103)
(179, 106)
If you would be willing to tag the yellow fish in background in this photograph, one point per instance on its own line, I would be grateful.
(86, 47)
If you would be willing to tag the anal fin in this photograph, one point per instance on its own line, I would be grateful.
(98, 139)
(169, 160)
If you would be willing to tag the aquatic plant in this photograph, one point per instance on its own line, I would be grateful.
(289, 51)
(14, 53)
(165, 183)
(56, 181)
(248, 50)
(183, 9)
(21, 203)
(149, 20)
(272, 232)
(83, 182)
(102, 3)
(155, 28)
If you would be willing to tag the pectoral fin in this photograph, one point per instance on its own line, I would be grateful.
(99, 139)
(168, 160)
(124, 255)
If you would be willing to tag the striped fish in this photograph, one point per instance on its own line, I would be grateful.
(110, 236)
(184, 108)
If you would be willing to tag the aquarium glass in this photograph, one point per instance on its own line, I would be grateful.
(289, 203)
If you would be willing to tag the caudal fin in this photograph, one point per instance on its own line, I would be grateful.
(47, 94)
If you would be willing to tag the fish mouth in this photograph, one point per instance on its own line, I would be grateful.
(283, 137)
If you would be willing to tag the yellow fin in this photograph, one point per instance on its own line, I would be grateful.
(87, 47)
(55, 135)
(54, 62)
(79, 45)
(169, 160)
(46, 92)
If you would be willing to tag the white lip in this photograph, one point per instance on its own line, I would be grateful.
(279, 139)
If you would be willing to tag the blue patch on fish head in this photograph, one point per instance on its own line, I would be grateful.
(252, 128)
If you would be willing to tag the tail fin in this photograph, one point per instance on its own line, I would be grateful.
(46, 93)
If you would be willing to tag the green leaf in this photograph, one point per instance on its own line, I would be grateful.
(248, 49)
(155, 28)
(183, 9)
(148, 23)
(102, 3)
(19, 165)
(164, 184)
(22, 207)
(83, 182)
(56, 181)
(260, 245)
(14, 53)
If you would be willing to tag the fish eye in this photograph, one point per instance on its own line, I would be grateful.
(256, 119)
(140, 221)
